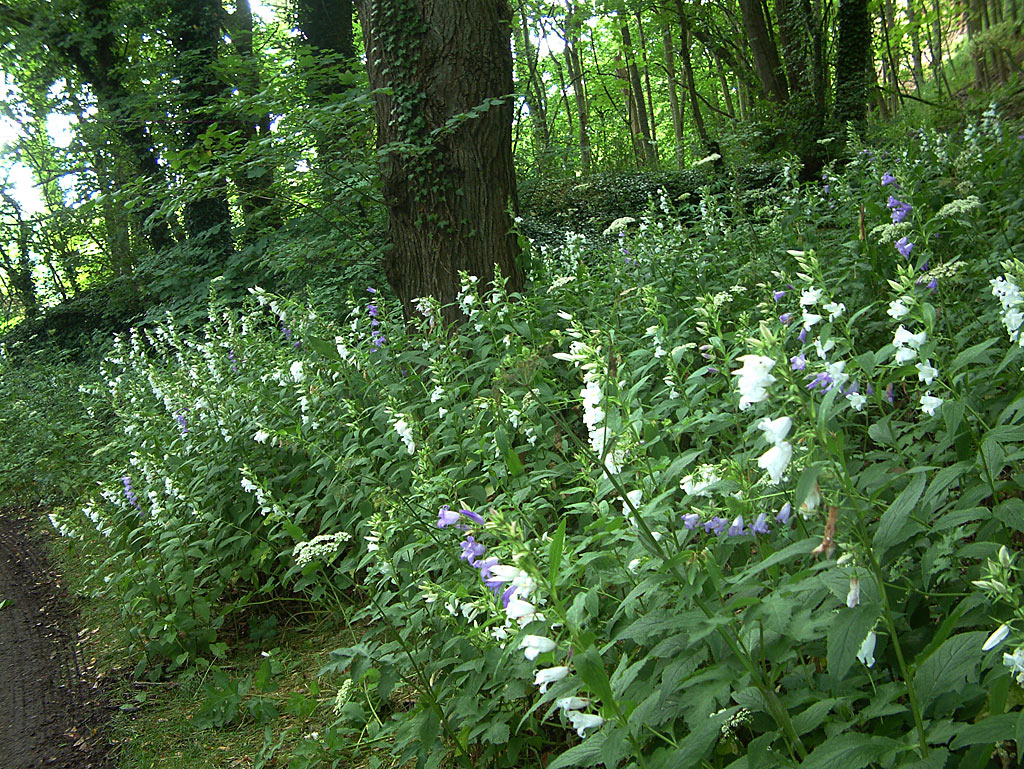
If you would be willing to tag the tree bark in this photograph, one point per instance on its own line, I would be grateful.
(194, 28)
(725, 86)
(636, 95)
(449, 182)
(766, 55)
(526, 70)
(691, 88)
(915, 45)
(853, 62)
(575, 67)
(19, 271)
(255, 182)
(673, 97)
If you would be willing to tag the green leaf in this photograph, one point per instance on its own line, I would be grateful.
(848, 751)
(845, 636)
(991, 729)
(892, 527)
(937, 758)
(805, 484)
(971, 355)
(951, 666)
(555, 553)
(591, 670)
(586, 754)
(700, 741)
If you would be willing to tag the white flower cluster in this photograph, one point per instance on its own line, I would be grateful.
(908, 345)
(754, 379)
(619, 225)
(1009, 296)
(697, 484)
(405, 433)
(595, 415)
(321, 548)
(960, 206)
(776, 459)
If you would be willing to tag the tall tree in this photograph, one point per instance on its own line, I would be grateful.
(194, 29)
(766, 55)
(573, 62)
(444, 128)
(853, 62)
(527, 75)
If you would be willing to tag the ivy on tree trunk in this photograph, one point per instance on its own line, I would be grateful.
(444, 131)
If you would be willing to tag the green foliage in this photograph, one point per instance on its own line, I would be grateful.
(714, 589)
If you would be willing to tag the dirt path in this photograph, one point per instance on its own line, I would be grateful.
(48, 712)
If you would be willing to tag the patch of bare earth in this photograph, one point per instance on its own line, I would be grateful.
(50, 713)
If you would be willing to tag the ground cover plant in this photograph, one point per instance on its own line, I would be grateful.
(737, 483)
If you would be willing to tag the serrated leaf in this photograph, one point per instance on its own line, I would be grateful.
(891, 528)
(848, 751)
(845, 636)
(991, 729)
(590, 668)
(805, 483)
(951, 666)
(586, 754)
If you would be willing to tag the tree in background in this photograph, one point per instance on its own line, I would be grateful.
(853, 62)
(444, 129)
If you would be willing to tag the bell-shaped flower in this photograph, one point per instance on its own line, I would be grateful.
(753, 379)
(997, 637)
(572, 703)
(534, 645)
(547, 676)
(866, 654)
(775, 460)
(775, 430)
(929, 403)
(583, 721)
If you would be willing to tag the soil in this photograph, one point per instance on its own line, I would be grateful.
(51, 714)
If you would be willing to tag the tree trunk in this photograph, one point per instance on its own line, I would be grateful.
(673, 98)
(575, 66)
(915, 45)
(766, 55)
(853, 62)
(636, 94)
(448, 198)
(526, 71)
(19, 271)
(691, 87)
(725, 86)
(255, 182)
(102, 66)
(194, 28)
(647, 84)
